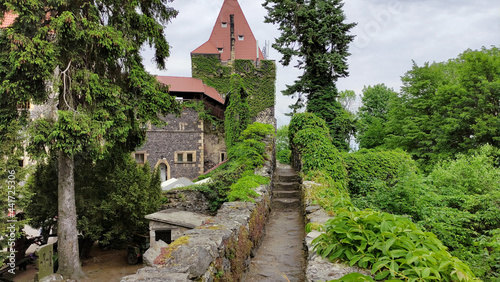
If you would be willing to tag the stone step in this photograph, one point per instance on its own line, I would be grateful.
(286, 186)
(289, 178)
(286, 194)
(285, 203)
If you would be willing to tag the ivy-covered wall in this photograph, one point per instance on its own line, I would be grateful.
(258, 82)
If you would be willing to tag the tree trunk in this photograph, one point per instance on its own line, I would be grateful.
(67, 234)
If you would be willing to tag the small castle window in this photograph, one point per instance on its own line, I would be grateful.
(222, 156)
(224, 24)
(185, 157)
(139, 158)
(241, 37)
(220, 49)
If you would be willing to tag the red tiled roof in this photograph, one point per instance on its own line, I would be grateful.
(221, 36)
(206, 48)
(189, 84)
(8, 19)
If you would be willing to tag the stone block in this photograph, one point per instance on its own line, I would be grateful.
(153, 252)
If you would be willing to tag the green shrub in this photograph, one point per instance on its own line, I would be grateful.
(242, 190)
(310, 137)
(283, 152)
(234, 180)
(392, 246)
(458, 201)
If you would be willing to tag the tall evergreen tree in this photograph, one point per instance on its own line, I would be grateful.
(90, 52)
(316, 33)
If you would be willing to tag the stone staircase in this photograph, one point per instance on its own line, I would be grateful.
(286, 191)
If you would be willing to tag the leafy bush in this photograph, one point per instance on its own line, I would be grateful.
(283, 151)
(311, 138)
(242, 190)
(392, 246)
(458, 202)
(368, 168)
(235, 180)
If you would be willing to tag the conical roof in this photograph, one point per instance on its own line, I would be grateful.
(220, 39)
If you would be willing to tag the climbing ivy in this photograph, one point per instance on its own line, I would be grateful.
(209, 69)
(237, 115)
(259, 82)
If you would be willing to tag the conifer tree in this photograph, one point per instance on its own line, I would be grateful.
(89, 52)
(315, 32)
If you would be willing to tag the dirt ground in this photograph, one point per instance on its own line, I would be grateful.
(105, 266)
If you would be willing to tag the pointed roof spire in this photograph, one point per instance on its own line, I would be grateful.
(245, 45)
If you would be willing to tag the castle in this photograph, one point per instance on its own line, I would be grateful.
(189, 145)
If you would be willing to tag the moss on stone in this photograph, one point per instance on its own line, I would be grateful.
(166, 253)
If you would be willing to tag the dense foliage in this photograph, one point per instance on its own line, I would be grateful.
(113, 195)
(446, 117)
(373, 115)
(237, 116)
(447, 108)
(283, 152)
(235, 180)
(86, 55)
(316, 33)
(258, 81)
(392, 246)
(458, 201)
(310, 137)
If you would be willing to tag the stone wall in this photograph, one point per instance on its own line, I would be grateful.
(266, 116)
(187, 200)
(220, 249)
(181, 134)
(214, 146)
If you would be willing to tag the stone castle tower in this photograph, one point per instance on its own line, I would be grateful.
(233, 49)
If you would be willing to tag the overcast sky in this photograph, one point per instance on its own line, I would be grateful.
(389, 35)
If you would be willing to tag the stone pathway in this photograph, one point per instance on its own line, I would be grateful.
(281, 255)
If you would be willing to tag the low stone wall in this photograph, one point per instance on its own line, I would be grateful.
(187, 200)
(220, 249)
(318, 268)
